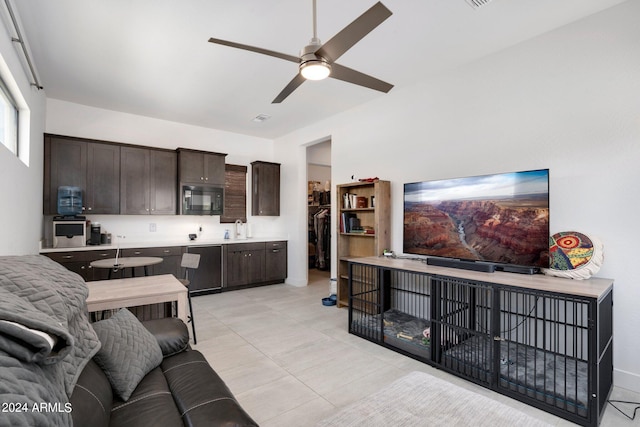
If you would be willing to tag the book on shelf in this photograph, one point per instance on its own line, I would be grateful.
(346, 201)
(346, 221)
(363, 230)
(353, 201)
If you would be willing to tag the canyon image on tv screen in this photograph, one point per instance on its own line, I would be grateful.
(501, 218)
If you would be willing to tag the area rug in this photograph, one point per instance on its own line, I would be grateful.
(419, 399)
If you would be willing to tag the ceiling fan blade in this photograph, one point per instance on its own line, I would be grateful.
(268, 52)
(293, 85)
(356, 77)
(354, 32)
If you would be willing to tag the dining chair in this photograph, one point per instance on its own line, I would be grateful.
(190, 262)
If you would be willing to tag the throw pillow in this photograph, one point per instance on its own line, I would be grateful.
(128, 353)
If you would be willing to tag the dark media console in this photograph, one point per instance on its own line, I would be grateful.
(481, 266)
(545, 341)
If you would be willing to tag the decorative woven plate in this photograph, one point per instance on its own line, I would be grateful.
(574, 255)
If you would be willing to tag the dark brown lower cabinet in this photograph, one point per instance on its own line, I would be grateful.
(251, 264)
(245, 264)
(275, 261)
(80, 262)
(222, 267)
(171, 258)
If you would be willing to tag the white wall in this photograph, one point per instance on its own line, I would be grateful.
(20, 183)
(319, 162)
(567, 100)
(65, 118)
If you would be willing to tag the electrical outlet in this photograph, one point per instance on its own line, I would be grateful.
(152, 227)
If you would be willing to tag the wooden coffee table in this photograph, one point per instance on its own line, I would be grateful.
(119, 293)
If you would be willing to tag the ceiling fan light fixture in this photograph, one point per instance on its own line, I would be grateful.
(315, 69)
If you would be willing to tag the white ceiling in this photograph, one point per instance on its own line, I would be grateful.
(152, 57)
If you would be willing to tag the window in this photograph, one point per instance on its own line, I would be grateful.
(235, 194)
(8, 119)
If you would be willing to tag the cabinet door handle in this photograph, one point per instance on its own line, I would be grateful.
(89, 208)
(137, 252)
(167, 251)
(67, 256)
(275, 251)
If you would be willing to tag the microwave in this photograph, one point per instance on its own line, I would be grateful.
(201, 200)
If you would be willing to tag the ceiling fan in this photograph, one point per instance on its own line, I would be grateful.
(317, 60)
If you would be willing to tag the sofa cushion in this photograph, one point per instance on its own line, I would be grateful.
(201, 396)
(151, 404)
(129, 351)
(92, 398)
(172, 334)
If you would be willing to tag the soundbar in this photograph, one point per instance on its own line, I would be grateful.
(464, 265)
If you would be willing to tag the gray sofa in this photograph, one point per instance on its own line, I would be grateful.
(58, 369)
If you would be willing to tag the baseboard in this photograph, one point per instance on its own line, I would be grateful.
(626, 380)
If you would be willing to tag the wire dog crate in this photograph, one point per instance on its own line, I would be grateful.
(391, 307)
(548, 349)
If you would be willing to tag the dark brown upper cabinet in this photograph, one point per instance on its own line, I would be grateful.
(92, 166)
(265, 192)
(200, 167)
(148, 182)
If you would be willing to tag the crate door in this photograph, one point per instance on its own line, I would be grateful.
(462, 328)
(365, 310)
(544, 349)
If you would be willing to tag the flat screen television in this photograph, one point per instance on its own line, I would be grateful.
(501, 218)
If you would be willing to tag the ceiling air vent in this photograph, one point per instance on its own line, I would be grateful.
(261, 118)
(477, 4)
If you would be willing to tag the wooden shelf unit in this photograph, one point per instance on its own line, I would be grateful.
(376, 216)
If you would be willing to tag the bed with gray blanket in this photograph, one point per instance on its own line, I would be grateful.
(45, 340)
(401, 330)
(544, 375)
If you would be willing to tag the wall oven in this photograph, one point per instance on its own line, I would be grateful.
(201, 200)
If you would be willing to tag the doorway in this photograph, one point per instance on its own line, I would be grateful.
(320, 223)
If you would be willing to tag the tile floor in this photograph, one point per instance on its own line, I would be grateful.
(290, 361)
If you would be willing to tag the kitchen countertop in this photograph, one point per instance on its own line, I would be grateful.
(163, 243)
